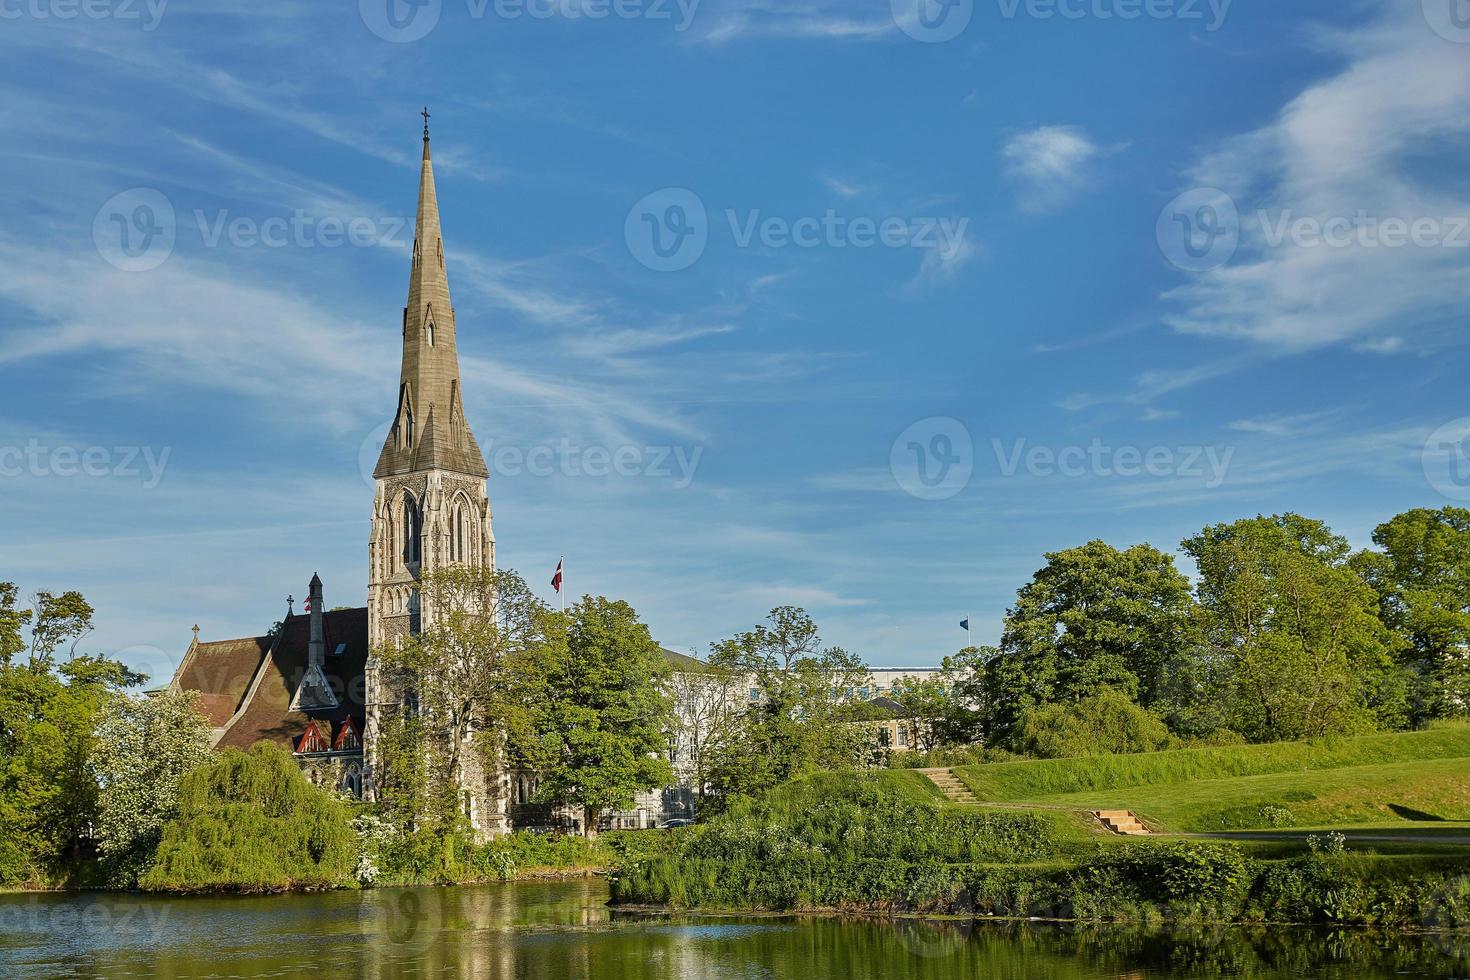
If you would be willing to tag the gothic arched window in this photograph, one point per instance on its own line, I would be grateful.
(430, 333)
(457, 533)
(411, 526)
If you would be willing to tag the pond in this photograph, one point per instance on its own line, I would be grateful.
(565, 930)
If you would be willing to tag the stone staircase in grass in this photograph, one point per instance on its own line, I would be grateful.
(1121, 822)
(949, 784)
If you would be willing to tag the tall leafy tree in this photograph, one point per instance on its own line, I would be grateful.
(800, 712)
(1307, 651)
(1092, 617)
(48, 714)
(706, 717)
(595, 713)
(1422, 577)
(969, 678)
(457, 677)
(145, 746)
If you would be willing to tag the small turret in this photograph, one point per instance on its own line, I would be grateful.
(317, 648)
(315, 693)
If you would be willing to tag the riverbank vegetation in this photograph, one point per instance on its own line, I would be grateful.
(880, 842)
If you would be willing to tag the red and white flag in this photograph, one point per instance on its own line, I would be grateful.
(306, 607)
(556, 579)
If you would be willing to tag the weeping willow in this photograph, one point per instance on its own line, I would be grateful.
(252, 822)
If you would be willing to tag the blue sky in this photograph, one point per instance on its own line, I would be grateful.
(182, 430)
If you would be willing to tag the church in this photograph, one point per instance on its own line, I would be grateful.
(310, 683)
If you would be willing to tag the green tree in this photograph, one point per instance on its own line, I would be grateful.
(800, 712)
(13, 623)
(929, 706)
(1308, 654)
(457, 677)
(594, 716)
(1106, 722)
(48, 713)
(1092, 617)
(252, 822)
(1422, 577)
(145, 746)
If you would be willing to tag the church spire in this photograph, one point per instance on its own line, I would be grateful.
(429, 431)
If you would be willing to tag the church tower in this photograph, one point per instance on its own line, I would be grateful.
(431, 505)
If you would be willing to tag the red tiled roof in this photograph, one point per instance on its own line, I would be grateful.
(267, 690)
(221, 672)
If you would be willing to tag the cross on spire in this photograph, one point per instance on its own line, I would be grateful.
(425, 114)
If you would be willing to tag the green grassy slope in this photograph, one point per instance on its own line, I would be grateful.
(1412, 776)
(1436, 789)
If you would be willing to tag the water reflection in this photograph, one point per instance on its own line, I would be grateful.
(565, 930)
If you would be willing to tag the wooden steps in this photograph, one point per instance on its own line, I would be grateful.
(949, 784)
(1121, 822)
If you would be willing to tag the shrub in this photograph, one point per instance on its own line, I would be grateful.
(834, 840)
(252, 822)
(1106, 723)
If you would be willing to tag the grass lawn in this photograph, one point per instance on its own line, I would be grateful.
(1433, 789)
(1408, 780)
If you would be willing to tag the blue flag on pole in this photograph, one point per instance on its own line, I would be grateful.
(965, 625)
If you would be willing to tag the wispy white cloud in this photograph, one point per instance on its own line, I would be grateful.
(808, 596)
(1383, 345)
(842, 188)
(1284, 425)
(1374, 141)
(940, 265)
(1050, 165)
